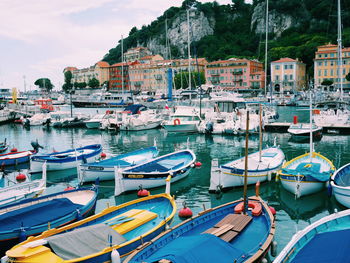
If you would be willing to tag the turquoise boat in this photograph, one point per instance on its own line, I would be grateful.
(326, 240)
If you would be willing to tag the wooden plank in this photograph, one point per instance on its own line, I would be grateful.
(221, 230)
(228, 236)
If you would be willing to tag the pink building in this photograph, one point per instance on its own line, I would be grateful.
(235, 74)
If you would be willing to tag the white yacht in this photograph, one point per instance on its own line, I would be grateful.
(185, 119)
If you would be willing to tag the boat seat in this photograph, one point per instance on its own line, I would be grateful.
(230, 226)
(130, 220)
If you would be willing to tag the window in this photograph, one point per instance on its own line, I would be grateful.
(326, 55)
(291, 66)
(332, 72)
(320, 63)
(285, 66)
(277, 78)
(332, 55)
(285, 77)
(325, 63)
(291, 77)
(319, 73)
(325, 72)
(277, 67)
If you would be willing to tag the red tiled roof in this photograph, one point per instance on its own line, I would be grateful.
(284, 60)
(70, 69)
(147, 57)
(102, 64)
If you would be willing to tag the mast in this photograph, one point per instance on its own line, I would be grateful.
(245, 201)
(311, 142)
(260, 131)
(188, 49)
(340, 58)
(266, 35)
(122, 67)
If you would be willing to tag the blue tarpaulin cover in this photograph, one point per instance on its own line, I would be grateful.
(326, 247)
(37, 214)
(310, 170)
(200, 248)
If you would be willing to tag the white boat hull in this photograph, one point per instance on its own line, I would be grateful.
(302, 188)
(141, 127)
(93, 125)
(90, 175)
(123, 185)
(36, 166)
(181, 127)
(342, 195)
(224, 177)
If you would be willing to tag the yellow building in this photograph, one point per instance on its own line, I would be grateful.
(326, 65)
(288, 74)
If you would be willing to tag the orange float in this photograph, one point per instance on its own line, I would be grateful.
(177, 122)
(256, 206)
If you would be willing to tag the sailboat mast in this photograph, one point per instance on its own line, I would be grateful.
(188, 49)
(260, 131)
(245, 201)
(122, 66)
(266, 35)
(340, 60)
(311, 142)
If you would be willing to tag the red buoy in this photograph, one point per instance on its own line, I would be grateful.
(103, 155)
(68, 188)
(295, 119)
(21, 177)
(143, 193)
(185, 212)
(198, 164)
(14, 149)
(273, 210)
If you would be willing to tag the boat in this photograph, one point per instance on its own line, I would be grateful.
(104, 169)
(153, 173)
(300, 132)
(308, 173)
(65, 159)
(11, 192)
(340, 183)
(94, 122)
(261, 166)
(14, 158)
(37, 119)
(3, 146)
(185, 119)
(325, 240)
(227, 233)
(141, 122)
(110, 234)
(103, 99)
(35, 215)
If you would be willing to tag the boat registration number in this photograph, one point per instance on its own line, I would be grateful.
(135, 176)
(95, 168)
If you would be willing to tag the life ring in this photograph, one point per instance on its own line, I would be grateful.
(177, 122)
(257, 208)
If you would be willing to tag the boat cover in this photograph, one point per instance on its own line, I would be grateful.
(37, 214)
(326, 247)
(310, 170)
(200, 248)
(343, 177)
(84, 241)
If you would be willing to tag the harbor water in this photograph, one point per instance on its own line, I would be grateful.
(292, 214)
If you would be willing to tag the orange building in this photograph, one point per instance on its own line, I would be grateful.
(288, 74)
(116, 77)
(326, 65)
(235, 74)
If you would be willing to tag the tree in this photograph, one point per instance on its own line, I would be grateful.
(67, 86)
(44, 84)
(94, 83)
(327, 82)
(347, 77)
(181, 79)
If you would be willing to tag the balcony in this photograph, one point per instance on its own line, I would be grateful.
(237, 72)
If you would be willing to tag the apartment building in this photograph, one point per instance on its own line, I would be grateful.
(119, 81)
(136, 53)
(152, 75)
(288, 74)
(326, 66)
(235, 74)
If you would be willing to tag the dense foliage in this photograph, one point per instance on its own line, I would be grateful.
(314, 24)
(67, 86)
(94, 83)
(44, 84)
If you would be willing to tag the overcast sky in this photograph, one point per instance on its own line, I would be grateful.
(39, 38)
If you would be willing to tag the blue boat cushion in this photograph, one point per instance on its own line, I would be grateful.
(269, 154)
(311, 171)
(198, 249)
(326, 247)
(37, 214)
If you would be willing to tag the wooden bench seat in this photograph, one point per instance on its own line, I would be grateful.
(230, 226)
